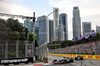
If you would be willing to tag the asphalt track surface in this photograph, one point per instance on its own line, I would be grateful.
(85, 62)
(41, 65)
(60, 65)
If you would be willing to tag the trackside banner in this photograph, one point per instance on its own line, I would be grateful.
(75, 55)
(16, 60)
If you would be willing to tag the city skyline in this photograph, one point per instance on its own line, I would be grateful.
(90, 10)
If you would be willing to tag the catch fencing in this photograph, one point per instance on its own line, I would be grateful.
(41, 52)
(15, 49)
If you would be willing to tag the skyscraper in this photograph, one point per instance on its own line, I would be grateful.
(61, 32)
(28, 24)
(63, 21)
(55, 23)
(86, 28)
(51, 38)
(43, 30)
(76, 22)
(98, 29)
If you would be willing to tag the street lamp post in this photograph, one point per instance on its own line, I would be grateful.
(33, 36)
(41, 29)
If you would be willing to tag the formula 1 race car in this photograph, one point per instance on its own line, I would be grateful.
(69, 59)
(64, 60)
(55, 61)
(79, 58)
(61, 61)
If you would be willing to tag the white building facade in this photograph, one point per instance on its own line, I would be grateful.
(55, 23)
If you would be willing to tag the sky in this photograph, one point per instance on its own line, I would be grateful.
(89, 9)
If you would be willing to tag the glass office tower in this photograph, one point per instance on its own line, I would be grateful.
(63, 20)
(76, 23)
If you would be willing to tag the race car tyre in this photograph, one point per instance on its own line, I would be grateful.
(55, 60)
(71, 60)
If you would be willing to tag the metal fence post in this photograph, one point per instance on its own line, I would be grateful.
(81, 63)
(38, 52)
(46, 54)
(95, 48)
(83, 50)
(6, 48)
(26, 48)
(34, 53)
(17, 49)
(42, 51)
(89, 49)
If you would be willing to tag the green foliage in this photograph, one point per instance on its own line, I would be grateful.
(14, 36)
(96, 37)
(12, 30)
(31, 37)
(56, 42)
(12, 54)
(14, 25)
(3, 30)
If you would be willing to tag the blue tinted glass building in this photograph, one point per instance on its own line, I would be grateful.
(64, 23)
(43, 30)
(51, 38)
(28, 24)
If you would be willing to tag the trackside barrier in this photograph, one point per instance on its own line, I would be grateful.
(8, 61)
(75, 55)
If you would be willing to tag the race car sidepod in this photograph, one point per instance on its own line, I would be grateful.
(79, 58)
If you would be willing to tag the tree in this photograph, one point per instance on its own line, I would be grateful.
(3, 34)
(16, 31)
(96, 37)
(31, 37)
(3, 29)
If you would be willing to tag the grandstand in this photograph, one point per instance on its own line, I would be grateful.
(89, 48)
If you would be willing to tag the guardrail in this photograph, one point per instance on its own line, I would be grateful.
(8, 61)
(75, 55)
